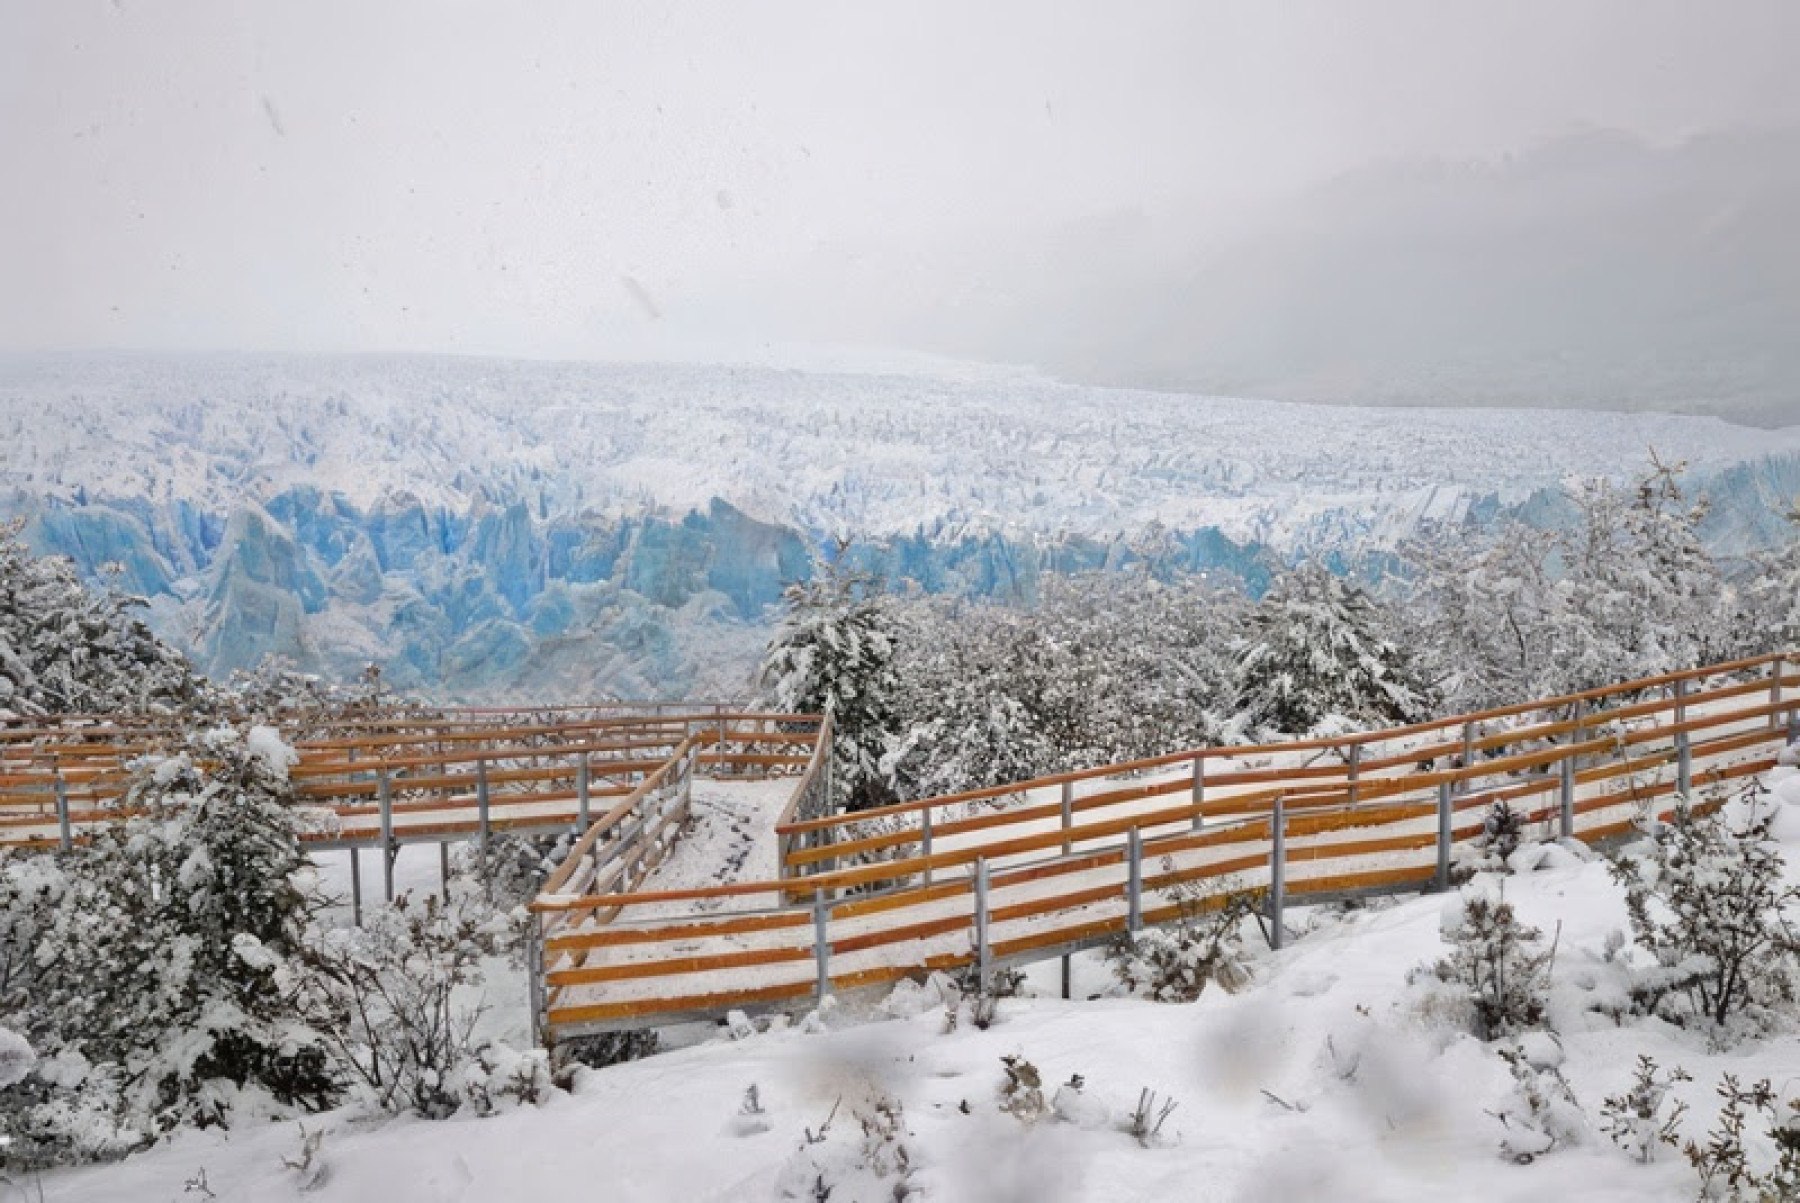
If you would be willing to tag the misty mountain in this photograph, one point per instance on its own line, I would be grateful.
(1596, 271)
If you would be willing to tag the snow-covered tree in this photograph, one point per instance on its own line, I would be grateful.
(67, 649)
(151, 967)
(1105, 667)
(834, 653)
(1766, 610)
(1484, 619)
(1317, 647)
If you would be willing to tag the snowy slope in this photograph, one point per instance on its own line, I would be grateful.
(1324, 1079)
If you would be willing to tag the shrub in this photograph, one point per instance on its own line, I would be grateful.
(386, 995)
(1725, 1166)
(1497, 964)
(1542, 1114)
(1203, 946)
(1636, 1120)
(152, 966)
(1707, 902)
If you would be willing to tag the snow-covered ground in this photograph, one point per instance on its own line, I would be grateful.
(1325, 1078)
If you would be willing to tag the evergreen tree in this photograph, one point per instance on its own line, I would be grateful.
(834, 654)
(1316, 649)
(150, 967)
(67, 649)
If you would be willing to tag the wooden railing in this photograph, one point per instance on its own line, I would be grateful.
(388, 781)
(944, 883)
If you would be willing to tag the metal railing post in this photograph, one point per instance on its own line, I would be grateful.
(484, 830)
(65, 833)
(1277, 874)
(982, 975)
(1567, 796)
(1775, 675)
(384, 796)
(582, 791)
(1199, 793)
(821, 945)
(925, 841)
(1445, 810)
(1134, 881)
(1354, 771)
(1468, 759)
(1068, 815)
(1684, 750)
(537, 992)
(355, 887)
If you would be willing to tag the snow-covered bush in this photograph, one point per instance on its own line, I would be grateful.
(1145, 1123)
(834, 653)
(67, 649)
(1021, 1089)
(1175, 963)
(1498, 967)
(1541, 1113)
(1707, 902)
(1728, 1169)
(152, 966)
(1637, 1120)
(865, 1160)
(1317, 647)
(605, 1048)
(498, 1076)
(1103, 667)
(390, 998)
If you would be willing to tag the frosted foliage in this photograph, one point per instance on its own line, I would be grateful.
(64, 648)
(1103, 668)
(151, 966)
(1710, 909)
(1627, 589)
(1317, 647)
(834, 653)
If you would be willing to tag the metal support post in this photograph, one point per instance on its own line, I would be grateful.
(1468, 759)
(65, 833)
(1775, 675)
(925, 841)
(384, 796)
(1134, 881)
(1355, 770)
(1277, 874)
(821, 944)
(534, 979)
(485, 829)
(582, 790)
(1068, 814)
(355, 887)
(1567, 796)
(1199, 795)
(982, 968)
(1445, 811)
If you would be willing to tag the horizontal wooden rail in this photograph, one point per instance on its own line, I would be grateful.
(896, 896)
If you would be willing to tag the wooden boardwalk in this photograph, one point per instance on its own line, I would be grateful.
(439, 776)
(1041, 868)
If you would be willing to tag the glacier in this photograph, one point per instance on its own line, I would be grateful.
(488, 529)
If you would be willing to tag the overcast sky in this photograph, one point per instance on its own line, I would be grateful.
(592, 180)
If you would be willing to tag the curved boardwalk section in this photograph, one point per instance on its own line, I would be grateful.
(1041, 868)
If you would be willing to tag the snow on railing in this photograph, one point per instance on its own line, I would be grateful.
(1044, 879)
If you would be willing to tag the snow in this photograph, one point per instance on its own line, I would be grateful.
(828, 451)
(1328, 1077)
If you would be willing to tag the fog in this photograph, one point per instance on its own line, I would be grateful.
(1422, 202)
